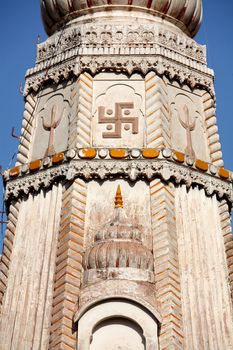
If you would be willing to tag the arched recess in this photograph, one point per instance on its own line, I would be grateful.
(109, 322)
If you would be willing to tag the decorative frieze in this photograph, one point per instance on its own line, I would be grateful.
(109, 39)
(172, 68)
(132, 169)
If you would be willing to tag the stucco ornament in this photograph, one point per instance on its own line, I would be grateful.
(118, 251)
(186, 14)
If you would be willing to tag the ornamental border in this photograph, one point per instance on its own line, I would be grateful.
(133, 170)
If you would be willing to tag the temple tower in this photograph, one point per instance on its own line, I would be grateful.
(119, 232)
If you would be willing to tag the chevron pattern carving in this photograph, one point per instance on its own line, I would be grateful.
(167, 277)
(212, 129)
(157, 112)
(27, 129)
(68, 266)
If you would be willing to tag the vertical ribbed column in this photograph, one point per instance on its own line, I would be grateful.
(167, 276)
(228, 239)
(84, 110)
(157, 112)
(68, 266)
(7, 247)
(212, 129)
(27, 129)
(206, 302)
(27, 303)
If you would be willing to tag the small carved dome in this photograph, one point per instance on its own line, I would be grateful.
(186, 14)
(118, 254)
(118, 245)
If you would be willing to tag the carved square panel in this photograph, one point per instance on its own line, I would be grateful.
(118, 111)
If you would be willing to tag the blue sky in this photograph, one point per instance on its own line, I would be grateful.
(20, 24)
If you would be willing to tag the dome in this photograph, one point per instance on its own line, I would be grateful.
(186, 14)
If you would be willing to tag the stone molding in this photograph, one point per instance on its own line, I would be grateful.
(166, 264)
(130, 169)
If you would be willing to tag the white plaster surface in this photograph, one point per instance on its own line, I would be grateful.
(206, 302)
(26, 310)
(129, 327)
(117, 334)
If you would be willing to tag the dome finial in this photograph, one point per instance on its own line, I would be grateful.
(118, 198)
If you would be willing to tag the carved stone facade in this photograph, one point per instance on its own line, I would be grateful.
(119, 233)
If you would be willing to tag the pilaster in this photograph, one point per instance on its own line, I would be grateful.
(212, 129)
(166, 262)
(157, 112)
(27, 129)
(68, 266)
(81, 103)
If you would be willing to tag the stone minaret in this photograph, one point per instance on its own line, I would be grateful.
(119, 232)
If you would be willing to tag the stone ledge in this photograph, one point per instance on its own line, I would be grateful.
(132, 169)
(118, 154)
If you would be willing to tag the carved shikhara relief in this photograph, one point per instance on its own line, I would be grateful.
(68, 265)
(27, 128)
(8, 247)
(157, 112)
(118, 111)
(166, 264)
(83, 93)
(224, 212)
(212, 129)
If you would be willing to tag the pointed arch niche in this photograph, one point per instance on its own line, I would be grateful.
(117, 324)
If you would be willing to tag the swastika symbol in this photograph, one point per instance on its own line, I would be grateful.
(105, 117)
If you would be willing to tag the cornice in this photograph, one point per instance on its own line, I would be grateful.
(164, 167)
(128, 49)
